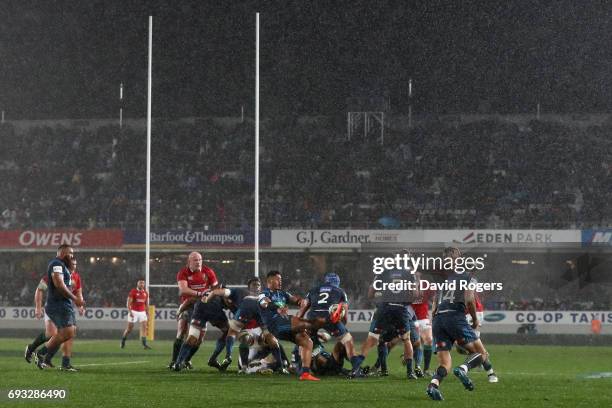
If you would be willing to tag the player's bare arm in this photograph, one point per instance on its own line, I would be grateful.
(223, 292)
(61, 287)
(470, 303)
(129, 305)
(296, 300)
(38, 299)
(82, 307)
(186, 305)
(185, 290)
(303, 308)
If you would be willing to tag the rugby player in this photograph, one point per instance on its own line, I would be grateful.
(491, 376)
(193, 281)
(246, 316)
(256, 356)
(273, 303)
(423, 349)
(138, 312)
(393, 312)
(450, 326)
(318, 301)
(50, 329)
(324, 362)
(204, 311)
(60, 306)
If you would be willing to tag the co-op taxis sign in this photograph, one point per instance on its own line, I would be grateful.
(103, 238)
(357, 238)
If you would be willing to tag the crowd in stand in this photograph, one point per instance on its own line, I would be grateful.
(478, 175)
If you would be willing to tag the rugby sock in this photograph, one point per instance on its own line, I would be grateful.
(377, 363)
(43, 350)
(488, 366)
(144, 341)
(194, 350)
(65, 361)
(40, 339)
(409, 369)
(218, 349)
(418, 356)
(471, 362)
(176, 348)
(355, 362)
(296, 356)
(244, 355)
(276, 352)
(284, 355)
(123, 339)
(383, 353)
(50, 354)
(427, 356)
(304, 370)
(229, 346)
(439, 376)
(360, 359)
(184, 353)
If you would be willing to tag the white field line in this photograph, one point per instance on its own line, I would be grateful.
(110, 364)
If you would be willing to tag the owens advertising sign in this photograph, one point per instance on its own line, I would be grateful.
(105, 238)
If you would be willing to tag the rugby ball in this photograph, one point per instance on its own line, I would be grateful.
(334, 307)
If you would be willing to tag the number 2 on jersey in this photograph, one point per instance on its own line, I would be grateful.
(323, 297)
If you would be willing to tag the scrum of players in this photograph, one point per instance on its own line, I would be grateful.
(260, 320)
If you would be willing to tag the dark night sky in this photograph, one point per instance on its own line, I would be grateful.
(66, 58)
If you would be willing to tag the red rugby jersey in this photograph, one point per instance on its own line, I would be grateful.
(479, 305)
(421, 308)
(202, 280)
(139, 300)
(75, 284)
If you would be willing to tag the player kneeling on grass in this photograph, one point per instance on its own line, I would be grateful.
(273, 302)
(203, 312)
(450, 326)
(324, 362)
(260, 353)
(138, 312)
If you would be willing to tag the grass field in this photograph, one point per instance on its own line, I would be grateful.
(530, 376)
